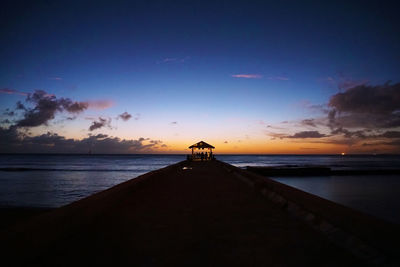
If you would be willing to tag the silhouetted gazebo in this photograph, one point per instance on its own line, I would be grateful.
(203, 155)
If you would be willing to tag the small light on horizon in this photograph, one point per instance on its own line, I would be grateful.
(343, 154)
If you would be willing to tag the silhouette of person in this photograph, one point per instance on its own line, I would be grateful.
(205, 155)
(202, 156)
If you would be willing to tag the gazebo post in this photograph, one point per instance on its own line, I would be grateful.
(201, 146)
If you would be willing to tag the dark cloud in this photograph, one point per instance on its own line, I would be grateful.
(298, 135)
(73, 107)
(366, 106)
(307, 134)
(174, 123)
(345, 84)
(349, 134)
(390, 134)
(45, 106)
(102, 122)
(12, 92)
(20, 106)
(361, 115)
(14, 141)
(125, 116)
(225, 142)
(277, 135)
(308, 122)
(393, 143)
(8, 112)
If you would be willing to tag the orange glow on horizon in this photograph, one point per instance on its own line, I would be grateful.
(261, 147)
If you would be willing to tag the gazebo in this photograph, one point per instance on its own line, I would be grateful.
(203, 155)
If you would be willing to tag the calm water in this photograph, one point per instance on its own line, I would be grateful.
(56, 180)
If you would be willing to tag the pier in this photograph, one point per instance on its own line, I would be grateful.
(197, 213)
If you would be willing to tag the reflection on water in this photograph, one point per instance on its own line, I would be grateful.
(373, 194)
(55, 189)
(57, 180)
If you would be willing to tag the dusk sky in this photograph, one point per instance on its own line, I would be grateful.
(299, 77)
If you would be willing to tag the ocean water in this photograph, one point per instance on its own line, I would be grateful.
(56, 180)
(377, 195)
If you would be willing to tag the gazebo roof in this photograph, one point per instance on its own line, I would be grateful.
(201, 144)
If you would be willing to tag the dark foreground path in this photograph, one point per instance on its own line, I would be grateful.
(198, 217)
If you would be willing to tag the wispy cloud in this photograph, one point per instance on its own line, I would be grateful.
(102, 122)
(56, 78)
(125, 116)
(173, 59)
(100, 104)
(278, 78)
(307, 134)
(343, 82)
(298, 135)
(174, 123)
(12, 92)
(169, 59)
(247, 76)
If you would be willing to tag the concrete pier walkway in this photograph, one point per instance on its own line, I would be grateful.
(200, 215)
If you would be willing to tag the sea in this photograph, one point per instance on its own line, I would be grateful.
(42, 180)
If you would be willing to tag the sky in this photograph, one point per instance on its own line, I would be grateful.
(249, 77)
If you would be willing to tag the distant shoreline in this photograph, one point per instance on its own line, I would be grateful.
(317, 171)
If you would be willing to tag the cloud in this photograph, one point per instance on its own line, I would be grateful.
(383, 99)
(40, 107)
(173, 59)
(174, 123)
(9, 112)
(100, 104)
(349, 134)
(12, 92)
(278, 78)
(20, 106)
(45, 106)
(298, 135)
(73, 106)
(169, 59)
(307, 134)
(125, 116)
(366, 106)
(362, 115)
(277, 135)
(100, 124)
(137, 116)
(308, 122)
(56, 78)
(12, 141)
(225, 142)
(247, 76)
(390, 134)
